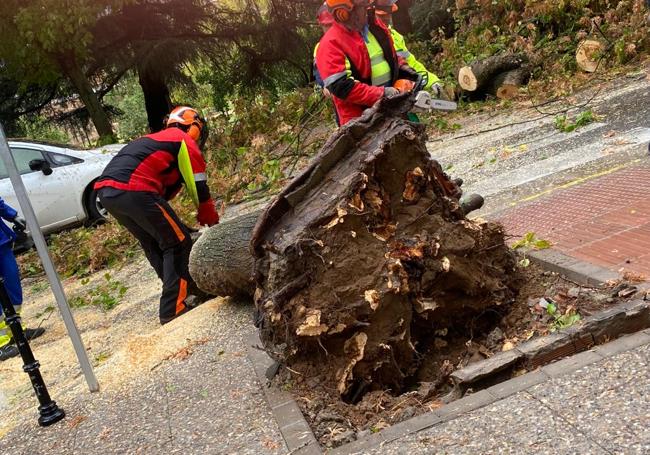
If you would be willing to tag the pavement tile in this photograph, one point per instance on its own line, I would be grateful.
(516, 425)
(604, 221)
(608, 401)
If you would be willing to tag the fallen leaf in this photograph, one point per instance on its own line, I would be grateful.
(76, 420)
(507, 346)
(339, 328)
(446, 265)
(610, 133)
(270, 443)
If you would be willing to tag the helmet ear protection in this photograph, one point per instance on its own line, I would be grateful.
(189, 120)
(340, 9)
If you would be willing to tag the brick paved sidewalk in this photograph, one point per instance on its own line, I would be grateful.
(604, 220)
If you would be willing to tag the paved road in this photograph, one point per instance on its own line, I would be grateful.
(525, 154)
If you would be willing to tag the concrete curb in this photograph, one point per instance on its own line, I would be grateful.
(294, 428)
(621, 319)
(576, 270)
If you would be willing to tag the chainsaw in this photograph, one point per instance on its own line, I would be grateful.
(424, 102)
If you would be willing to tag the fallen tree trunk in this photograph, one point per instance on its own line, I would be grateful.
(477, 76)
(506, 85)
(220, 261)
(366, 254)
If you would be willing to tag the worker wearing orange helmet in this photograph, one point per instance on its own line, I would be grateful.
(384, 10)
(357, 60)
(136, 186)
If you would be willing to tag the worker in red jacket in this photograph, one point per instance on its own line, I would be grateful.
(135, 188)
(356, 59)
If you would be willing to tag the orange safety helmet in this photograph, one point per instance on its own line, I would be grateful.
(341, 9)
(189, 120)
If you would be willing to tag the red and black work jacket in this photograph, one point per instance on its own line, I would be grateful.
(150, 163)
(344, 64)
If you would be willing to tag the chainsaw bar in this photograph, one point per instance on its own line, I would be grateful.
(425, 102)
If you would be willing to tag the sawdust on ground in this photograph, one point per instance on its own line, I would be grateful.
(121, 343)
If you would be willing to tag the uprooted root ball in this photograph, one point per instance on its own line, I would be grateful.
(366, 254)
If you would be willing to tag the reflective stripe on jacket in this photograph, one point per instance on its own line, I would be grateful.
(403, 52)
(343, 61)
(153, 163)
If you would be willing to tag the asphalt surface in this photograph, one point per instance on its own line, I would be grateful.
(514, 154)
(209, 402)
(603, 408)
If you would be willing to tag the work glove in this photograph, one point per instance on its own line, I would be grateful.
(436, 90)
(406, 72)
(390, 91)
(19, 224)
(207, 214)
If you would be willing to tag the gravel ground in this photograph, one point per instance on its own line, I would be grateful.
(603, 408)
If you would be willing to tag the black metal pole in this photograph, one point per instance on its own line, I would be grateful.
(49, 412)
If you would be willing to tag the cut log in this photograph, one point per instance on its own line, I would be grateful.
(588, 55)
(506, 85)
(364, 255)
(477, 76)
(221, 262)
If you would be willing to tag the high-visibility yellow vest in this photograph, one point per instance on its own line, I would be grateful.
(380, 69)
(402, 51)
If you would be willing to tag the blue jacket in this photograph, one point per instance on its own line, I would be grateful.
(7, 234)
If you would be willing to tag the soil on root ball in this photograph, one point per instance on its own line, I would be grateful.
(496, 329)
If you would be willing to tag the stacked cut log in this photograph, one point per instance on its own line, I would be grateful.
(589, 53)
(499, 76)
(362, 258)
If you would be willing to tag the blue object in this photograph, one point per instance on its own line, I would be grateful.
(8, 265)
(7, 234)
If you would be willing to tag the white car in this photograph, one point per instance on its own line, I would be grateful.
(59, 182)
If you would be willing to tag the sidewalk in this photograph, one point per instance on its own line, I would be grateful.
(206, 401)
(602, 219)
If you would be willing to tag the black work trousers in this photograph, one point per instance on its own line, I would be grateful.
(164, 238)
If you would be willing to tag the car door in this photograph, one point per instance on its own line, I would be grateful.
(48, 194)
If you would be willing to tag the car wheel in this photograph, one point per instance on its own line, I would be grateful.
(96, 211)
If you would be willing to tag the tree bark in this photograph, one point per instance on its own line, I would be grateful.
(477, 76)
(156, 97)
(221, 262)
(96, 111)
(506, 85)
(366, 254)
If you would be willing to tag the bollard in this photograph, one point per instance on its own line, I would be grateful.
(49, 412)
